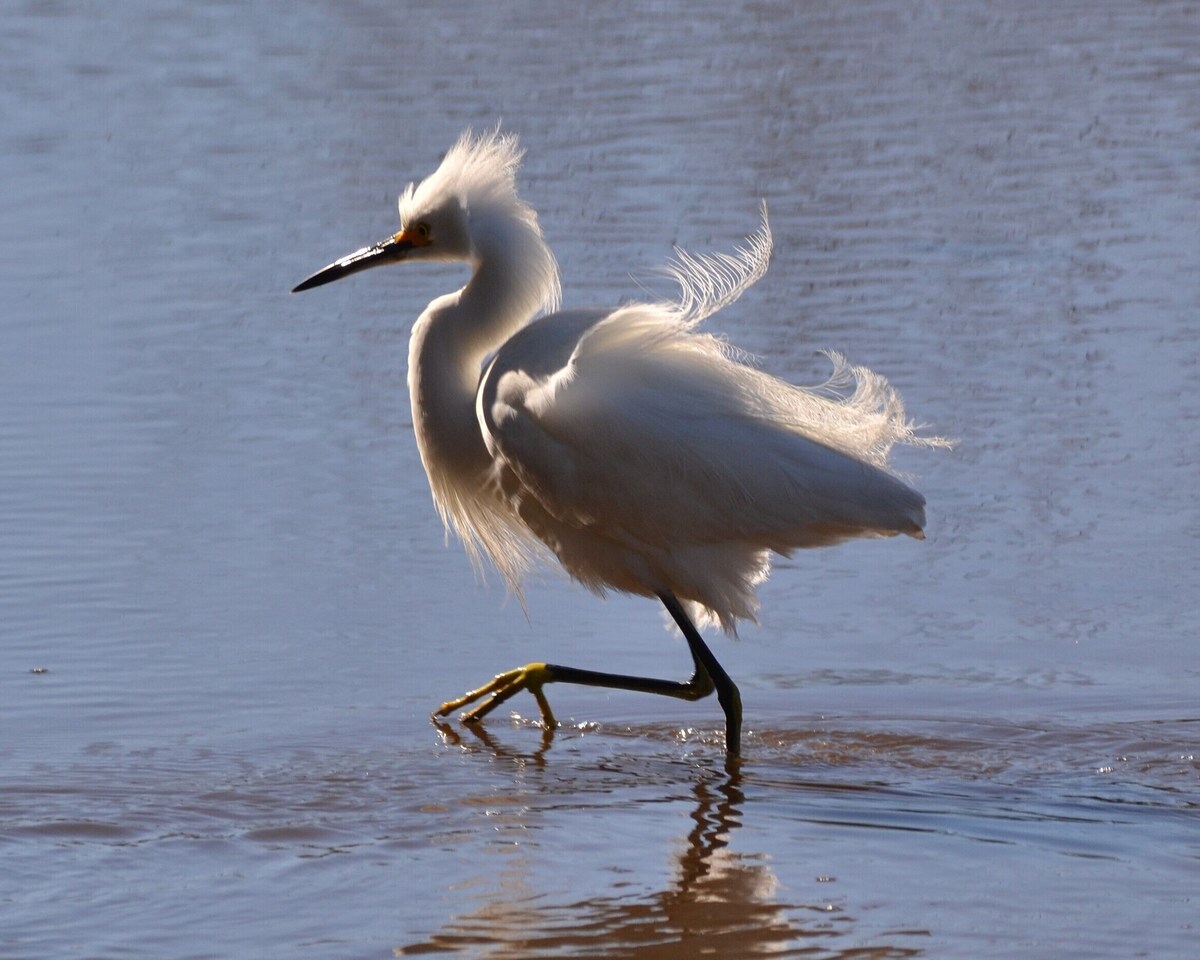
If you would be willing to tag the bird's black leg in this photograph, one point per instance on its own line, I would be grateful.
(727, 692)
(708, 676)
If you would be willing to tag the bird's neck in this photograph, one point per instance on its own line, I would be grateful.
(514, 277)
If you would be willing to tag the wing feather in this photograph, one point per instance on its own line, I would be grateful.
(651, 433)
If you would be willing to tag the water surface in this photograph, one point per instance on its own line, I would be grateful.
(226, 604)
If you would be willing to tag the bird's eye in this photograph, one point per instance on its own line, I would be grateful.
(422, 230)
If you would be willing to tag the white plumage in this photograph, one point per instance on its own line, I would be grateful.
(648, 457)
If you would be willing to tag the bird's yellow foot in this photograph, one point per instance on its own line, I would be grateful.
(531, 677)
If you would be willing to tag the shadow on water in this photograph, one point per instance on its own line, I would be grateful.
(717, 901)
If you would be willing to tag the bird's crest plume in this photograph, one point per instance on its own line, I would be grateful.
(480, 171)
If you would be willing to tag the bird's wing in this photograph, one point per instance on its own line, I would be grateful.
(640, 429)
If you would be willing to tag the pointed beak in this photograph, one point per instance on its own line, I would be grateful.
(391, 250)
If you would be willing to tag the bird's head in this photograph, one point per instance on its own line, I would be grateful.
(450, 212)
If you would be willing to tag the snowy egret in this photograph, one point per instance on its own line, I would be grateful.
(646, 456)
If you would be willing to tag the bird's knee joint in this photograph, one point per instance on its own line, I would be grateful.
(700, 686)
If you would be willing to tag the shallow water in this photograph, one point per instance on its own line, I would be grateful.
(226, 606)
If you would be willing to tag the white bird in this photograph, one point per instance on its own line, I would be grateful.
(646, 456)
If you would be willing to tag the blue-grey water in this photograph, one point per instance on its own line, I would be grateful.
(227, 606)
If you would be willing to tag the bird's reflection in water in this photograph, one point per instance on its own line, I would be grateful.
(719, 903)
(452, 738)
